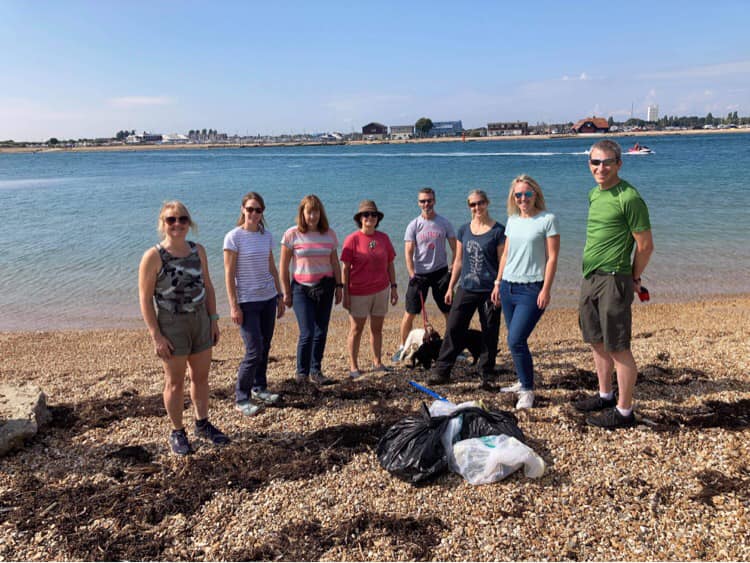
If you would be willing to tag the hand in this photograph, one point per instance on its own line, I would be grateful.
(236, 314)
(495, 296)
(339, 295)
(280, 308)
(636, 286)
(163, 347)
(543, 299)
(449, 296)
(288, 299)
(394, 295)
(215, 332)
(347, 303)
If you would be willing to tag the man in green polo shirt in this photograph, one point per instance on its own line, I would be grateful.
(618, 222)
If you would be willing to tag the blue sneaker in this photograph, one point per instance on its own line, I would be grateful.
(209, 432)
(180, 443)
(265, 396)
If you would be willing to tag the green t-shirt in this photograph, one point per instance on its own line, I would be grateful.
(614, 214)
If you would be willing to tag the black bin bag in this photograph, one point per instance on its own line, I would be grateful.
(411, 448)
(479, 422)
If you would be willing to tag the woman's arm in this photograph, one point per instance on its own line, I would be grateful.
(280, 307)
(495, 297)
(392, 278)
(550, 269)
(210, 296)
(346, 269)
(147, 273)
(336, 268)
(455, 272)
(230, 279)
(286, 283)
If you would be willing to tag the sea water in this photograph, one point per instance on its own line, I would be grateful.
(75, 225)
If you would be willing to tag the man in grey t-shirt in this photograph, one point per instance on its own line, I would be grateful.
(426, 261)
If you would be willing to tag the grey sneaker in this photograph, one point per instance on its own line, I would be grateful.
(515, 388)
(397, 356)
(320, 379)
(300, 378)
(248, 409)
(265, 396)
(595, 403)
(180, 443)
(611, 419)
(355, 374)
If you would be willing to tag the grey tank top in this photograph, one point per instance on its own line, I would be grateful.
(179, 285)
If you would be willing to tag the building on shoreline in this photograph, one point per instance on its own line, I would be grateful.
(402, 132)
(446, 129)
(498, 129)
(591, 125)
(374, 130)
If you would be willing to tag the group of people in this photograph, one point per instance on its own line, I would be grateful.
(496, 270)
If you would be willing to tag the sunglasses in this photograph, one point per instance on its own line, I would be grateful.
(183, 219)
(474, 204)
(250, 209)
(426, 201)
(604, 162)
(368, 214)
(519, 195)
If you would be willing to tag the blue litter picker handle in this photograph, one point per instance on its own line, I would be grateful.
(424, 389)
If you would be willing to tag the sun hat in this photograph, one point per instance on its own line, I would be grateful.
(367, 205)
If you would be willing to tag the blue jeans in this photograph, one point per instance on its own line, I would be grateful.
(258, 322)
(521, 316)
(312, 318)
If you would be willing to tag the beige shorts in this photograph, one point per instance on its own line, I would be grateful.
(375, 304)
(189, 333)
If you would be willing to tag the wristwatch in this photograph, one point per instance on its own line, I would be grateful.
(496, 282)
(394, 285)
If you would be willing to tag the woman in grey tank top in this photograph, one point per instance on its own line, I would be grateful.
(173, 275)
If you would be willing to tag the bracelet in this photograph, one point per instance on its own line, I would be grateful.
(394, 285)
(214, 317)
(339, 286)
(496, 282)
(637, 280)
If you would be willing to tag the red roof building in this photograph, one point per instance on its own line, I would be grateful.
(591, 125)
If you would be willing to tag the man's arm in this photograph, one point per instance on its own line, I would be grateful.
(409, 257)
(644, 247)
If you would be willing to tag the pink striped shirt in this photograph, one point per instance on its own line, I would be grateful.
(311, 254)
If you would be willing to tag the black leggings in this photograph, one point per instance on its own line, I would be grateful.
(465, 304)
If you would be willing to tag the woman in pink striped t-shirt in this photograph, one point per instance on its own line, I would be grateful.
(310, 247)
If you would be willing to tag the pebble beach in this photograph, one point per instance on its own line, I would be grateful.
(302, 482)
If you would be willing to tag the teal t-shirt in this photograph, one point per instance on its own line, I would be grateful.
(527, 248)
(614, 214)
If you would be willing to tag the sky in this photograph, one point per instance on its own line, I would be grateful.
(82, 69)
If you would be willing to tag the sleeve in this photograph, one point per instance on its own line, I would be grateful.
(636, 214)
(551, 227)
(460, 233)
(288, 238)
(229, 241)
(500, 236)
(334, 239)
(347, 251)
(411, 231)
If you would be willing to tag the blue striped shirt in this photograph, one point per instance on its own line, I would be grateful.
(253, 278)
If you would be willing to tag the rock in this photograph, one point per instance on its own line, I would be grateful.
(23, 409)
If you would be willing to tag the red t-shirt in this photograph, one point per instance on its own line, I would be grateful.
(369, 256)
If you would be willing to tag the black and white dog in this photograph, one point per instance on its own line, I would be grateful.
(422, 347)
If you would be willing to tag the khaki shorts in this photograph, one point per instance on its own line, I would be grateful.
(604, 313)
(375, 304)
(189, 333)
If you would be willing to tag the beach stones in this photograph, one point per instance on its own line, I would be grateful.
(23, 409)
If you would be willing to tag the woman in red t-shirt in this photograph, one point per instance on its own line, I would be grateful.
(369, 279)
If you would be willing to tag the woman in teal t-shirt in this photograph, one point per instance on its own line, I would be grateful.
(524, 280)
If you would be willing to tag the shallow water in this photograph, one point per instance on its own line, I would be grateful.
(74, 225)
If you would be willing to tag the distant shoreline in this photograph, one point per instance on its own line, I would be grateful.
(207, 146)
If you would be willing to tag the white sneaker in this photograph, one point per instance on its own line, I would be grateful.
(515, 388)
(525, 400)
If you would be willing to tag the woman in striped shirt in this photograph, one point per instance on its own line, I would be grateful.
(253, 290)
(310, 247)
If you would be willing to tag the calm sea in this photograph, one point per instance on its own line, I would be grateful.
(74, 225)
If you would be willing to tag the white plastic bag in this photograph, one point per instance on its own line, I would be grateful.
(452, 430)
(492, 458)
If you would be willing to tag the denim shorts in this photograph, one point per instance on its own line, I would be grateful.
(604, 313)
(189, 333)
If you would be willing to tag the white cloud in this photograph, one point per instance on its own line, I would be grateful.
(140, 101)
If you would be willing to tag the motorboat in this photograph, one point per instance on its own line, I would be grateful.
(639, 149)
